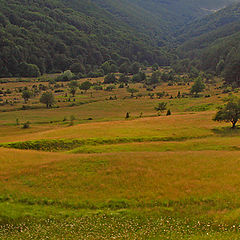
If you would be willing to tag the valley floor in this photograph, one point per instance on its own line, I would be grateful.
(150, 177)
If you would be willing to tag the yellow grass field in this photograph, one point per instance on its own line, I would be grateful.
(146, 177)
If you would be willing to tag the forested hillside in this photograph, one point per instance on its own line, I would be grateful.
(214, 44)
(55, 35)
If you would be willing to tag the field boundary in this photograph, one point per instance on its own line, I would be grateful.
(54, 145)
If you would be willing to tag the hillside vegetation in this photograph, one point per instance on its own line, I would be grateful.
(58, 35)
(213, 45)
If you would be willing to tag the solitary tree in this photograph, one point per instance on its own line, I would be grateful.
(85, 86)
(229, 112)
(26, 94)
(47, 98)
(198, 86)
(73, 91)
(161, 107)
(132, 91)
(73, 85)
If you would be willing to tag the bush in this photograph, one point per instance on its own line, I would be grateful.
(95, 74)
(97, 88)
(66, 76)
(26, 125)
(110, 88)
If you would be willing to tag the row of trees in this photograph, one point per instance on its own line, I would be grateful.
(155, 78)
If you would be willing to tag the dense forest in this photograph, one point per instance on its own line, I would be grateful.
(212, 44)
(47, 36)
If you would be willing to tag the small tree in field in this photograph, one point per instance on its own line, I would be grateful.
(47, 98)
(162, 106)
(73, 85)
(85, 86)
(26, 94)
(198, 86)
(230, 112)
(132, 91)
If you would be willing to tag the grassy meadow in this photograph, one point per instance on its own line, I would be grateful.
(102, 176)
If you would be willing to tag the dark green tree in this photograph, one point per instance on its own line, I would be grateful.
(162, 106)
(73, 86)
(198, 86)
(132, 91)
(85, 86)
(230, 112)
(48, 99)
(26, 95)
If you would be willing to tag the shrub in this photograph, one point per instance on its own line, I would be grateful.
(26, 125)
(97, 88)
(110, 88)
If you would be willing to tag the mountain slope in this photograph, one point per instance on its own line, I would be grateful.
(212, 39)
(56, 34)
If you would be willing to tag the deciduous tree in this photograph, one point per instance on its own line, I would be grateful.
(230, 112)
(47, 98)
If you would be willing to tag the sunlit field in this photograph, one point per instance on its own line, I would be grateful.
(102, 176)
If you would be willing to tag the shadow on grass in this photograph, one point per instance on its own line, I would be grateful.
(227, 131)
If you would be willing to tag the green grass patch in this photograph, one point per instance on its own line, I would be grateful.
(69, 144)
(188, 145)
(201, 108)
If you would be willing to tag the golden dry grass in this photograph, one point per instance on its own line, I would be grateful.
(135, 176)
(184, 125)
